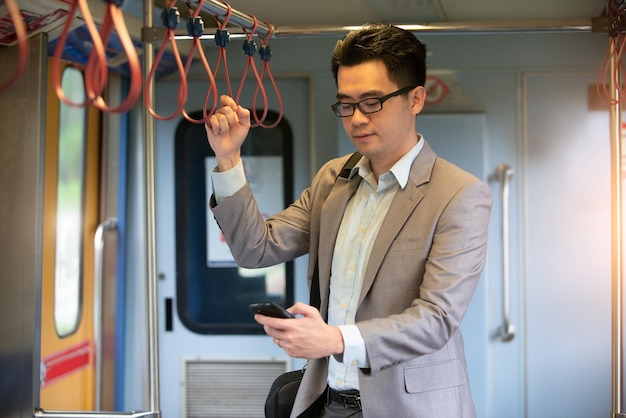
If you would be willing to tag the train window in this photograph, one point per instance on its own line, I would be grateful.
(69, 214)
(213, 294)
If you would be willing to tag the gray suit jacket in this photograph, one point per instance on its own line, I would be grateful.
(424, 267)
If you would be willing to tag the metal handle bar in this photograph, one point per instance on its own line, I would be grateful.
(40, 413)
(506, 332)
(219, 8)
(98, 243)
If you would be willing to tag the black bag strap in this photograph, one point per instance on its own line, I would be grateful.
(315, 280)
(349, 165)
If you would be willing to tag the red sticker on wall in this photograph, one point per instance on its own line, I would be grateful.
(436, 90)
(66, 362)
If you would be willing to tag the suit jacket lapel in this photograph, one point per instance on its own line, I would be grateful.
(402, 206)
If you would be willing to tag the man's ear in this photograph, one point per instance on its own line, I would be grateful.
(418, 99)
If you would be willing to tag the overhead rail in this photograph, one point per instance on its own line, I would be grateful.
(245, 21)
(444, 28)
(97, 71)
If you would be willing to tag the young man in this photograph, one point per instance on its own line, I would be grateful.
(399, 245)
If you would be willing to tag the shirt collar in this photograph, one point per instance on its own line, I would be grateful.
(401, 169)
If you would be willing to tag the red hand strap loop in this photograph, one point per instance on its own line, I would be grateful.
(250, 64)
(182, 86)
(221, 57)
(266, 68)
(212, 90)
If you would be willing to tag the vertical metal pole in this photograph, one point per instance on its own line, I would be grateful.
(616, 231)
(153, 346)
(98, 340)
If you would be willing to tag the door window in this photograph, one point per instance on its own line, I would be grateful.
(213, 293)
(69, 211)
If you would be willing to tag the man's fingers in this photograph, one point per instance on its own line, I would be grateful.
(243, 116)
(228, 101)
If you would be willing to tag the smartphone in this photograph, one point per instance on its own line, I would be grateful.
(270, 309)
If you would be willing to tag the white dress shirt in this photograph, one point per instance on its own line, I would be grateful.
(359, 227)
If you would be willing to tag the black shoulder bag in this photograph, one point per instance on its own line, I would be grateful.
(282, 394)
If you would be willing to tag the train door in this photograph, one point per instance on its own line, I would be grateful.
(77, 313)
(558, 289)
(568, 269)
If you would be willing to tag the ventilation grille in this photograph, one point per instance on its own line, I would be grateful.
(224, 388)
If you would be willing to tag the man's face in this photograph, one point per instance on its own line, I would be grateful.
(386, 135)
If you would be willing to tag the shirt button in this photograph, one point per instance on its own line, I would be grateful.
(339, 382)
(354, 362)
(344, 305)
(362, 229)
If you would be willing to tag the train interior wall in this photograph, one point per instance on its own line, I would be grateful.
(21, 224)
(532, 91)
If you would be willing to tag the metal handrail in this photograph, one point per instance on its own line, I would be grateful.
(150, 233)
(98, 244)
(40, 413)
(220, 9)
(506, 332)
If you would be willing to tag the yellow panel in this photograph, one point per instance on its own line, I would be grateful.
(70, 360)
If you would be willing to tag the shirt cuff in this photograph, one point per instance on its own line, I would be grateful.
(227, 183)
(354, 352)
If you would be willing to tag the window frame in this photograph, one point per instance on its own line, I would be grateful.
(190, 150)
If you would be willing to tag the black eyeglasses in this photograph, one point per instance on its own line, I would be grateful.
(366, 106)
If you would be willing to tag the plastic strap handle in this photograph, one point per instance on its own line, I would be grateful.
(115, 19)
(249, 49)
(182, 86)
(266, 54)
(97, 54)
(221, 39)
(212, 86)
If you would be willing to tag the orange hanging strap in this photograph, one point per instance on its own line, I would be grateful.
(22, 39)
(96, 58)
(266, 53)
(195, 27)
(249, 48)
(115, 19)
(222, 38)
(171, 18)
(616, 17)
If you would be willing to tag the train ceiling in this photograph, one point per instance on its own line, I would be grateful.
(320, 13)
(303, 17)
(307, 16)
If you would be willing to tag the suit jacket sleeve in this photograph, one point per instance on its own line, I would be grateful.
(257, 242)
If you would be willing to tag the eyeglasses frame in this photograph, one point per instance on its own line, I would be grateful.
(356, 105)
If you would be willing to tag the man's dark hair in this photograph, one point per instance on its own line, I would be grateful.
(402, 53)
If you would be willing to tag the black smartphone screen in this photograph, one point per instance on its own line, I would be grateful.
(270, 309)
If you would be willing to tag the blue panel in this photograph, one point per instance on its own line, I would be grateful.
(459, 138)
